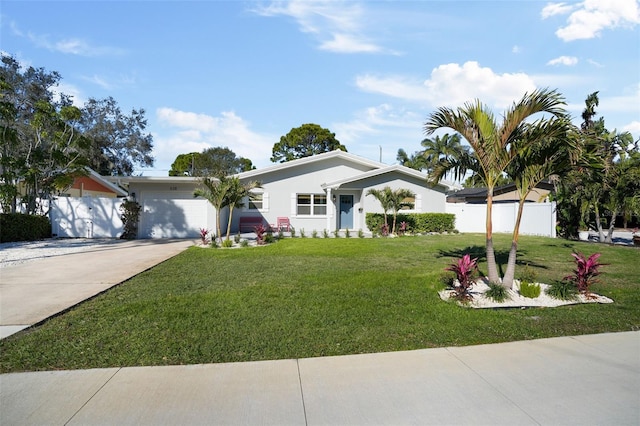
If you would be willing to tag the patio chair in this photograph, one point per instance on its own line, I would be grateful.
(283, 224)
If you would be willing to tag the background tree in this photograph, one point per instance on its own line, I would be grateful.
(594, 194)
(416, 161)
(443, 147)
(493, 145)
(42, 147)
(216, 161)
(118, 141)
(305, 141)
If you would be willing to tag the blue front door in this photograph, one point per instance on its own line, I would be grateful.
(346, 212)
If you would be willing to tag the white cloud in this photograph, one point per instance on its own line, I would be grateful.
(336, 23)
(633, 127)
(552, 9)
(564, 60)
(590, 17)
(192, 132)
(516, 49)
(77, 97)
(452, 85)
(595, 64)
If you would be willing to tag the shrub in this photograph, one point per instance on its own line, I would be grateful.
(417, 222)
(402, 228)
(447, 279)
(347, 234)
(269, 238)
(227, 243)
(244, 243)
(302, 234)
(497, 292)
(465, 269)
(325, 233)
(203, 235)
(336, 233)
(528, 274)
(314, 234)
(236, 238)
(260, 231)
(384, 230)
(563, 290)
(360, 233)
(130, 217)
(587, 269)
(280, 234)
(530, 290)
(293, 232)
(23, 227)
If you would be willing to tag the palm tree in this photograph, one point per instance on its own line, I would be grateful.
(215, 191)
(554, 155)
(445, 147)
(494, 145)
(236, 194)
(397, 201)
(416, 161)
(384, 196)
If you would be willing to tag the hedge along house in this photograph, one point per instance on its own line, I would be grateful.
(329, 192)
(168, 207)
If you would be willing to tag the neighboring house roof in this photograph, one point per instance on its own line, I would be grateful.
(124, 181)
(102, 181)
(479, 195)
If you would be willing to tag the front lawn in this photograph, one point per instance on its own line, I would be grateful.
(315, 297)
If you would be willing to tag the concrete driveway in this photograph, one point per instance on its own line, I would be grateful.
(35, 290)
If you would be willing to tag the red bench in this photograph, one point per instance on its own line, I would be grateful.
(248, 223)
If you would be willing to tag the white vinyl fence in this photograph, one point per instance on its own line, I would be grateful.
(86, 217)
(537, 218)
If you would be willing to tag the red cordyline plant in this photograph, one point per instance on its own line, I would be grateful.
(587, 269)
(203, 235)
(260, 230)
(465, 269)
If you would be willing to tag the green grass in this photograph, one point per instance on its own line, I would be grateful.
(315, 297)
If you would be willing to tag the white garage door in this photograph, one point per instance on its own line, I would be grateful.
(165, 217)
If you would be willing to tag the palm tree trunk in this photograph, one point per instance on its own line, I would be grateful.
(612, 224)
(229, 221)
(393, 228)
(599, 224)
(492, 268)
(510, 273)
(219, 233)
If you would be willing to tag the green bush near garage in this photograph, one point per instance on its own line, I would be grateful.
(23, 227)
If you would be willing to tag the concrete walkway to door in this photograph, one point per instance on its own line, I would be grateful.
(33, 291)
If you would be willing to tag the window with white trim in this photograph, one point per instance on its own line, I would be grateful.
(409, 200)
(311, 204)
(259, 201)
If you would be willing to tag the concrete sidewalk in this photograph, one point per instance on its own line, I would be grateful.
(35, 290)
(582, 380)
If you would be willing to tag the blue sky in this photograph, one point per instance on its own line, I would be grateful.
(241, 74)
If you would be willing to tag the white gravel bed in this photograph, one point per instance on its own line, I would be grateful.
(516, 300)
(20, 252)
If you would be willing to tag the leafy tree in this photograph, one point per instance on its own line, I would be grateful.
(305, 141)
(596, 191)
(494, 146)
(216, 161)
(118, 141)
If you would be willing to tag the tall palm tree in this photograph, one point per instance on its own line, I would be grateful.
(494, 145)
(236, 194)
(554, 155)
(416, 161)
(215, 190)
